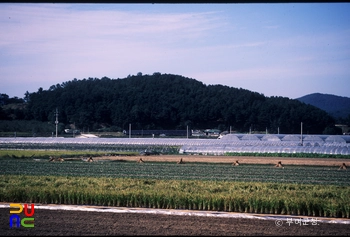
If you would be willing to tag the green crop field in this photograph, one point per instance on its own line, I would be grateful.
(298, 190)
(190, 171)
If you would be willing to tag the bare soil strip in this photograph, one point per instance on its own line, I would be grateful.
(83, 223)
(232, 159)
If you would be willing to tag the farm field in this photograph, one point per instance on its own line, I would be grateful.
(298, 177)
(323, 171)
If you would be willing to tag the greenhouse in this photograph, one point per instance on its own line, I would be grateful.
(230, 143)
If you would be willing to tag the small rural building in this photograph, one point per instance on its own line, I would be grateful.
(212, 132)
(162, 133)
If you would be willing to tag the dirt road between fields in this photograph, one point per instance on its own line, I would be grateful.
(231, 159)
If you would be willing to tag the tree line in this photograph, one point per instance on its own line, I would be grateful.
(164, 101)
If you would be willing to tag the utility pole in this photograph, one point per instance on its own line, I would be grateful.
(56, 122)
(301, 129)
(129, 130)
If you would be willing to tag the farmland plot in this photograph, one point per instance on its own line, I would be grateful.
(324, 175)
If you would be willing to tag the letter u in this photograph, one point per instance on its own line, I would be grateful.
(26, 209)
(17, 218)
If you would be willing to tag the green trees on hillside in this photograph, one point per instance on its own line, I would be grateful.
(167, 101)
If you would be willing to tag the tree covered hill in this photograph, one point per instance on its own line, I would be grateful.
(337, 106)
(167, 101)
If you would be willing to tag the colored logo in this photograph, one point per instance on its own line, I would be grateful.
(15, 219)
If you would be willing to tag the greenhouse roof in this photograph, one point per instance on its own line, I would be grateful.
(261, 143)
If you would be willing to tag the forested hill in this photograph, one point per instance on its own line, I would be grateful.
(166, 101)
(337, 106)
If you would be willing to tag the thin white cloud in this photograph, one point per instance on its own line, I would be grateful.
(35, 25)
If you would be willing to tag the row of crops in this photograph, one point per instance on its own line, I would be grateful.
(209, 195)
(324, 175)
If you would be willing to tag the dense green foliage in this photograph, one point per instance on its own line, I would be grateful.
(26, 128)
(166, 101)
(11, 108)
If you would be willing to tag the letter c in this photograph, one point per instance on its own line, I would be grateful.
(31, 225)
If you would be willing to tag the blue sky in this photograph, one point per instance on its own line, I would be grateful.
(282, 49)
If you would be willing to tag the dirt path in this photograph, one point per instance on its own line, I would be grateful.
(232, 159)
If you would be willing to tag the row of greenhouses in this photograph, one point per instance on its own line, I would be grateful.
(224, 149)
(288, 137)
(230, 143)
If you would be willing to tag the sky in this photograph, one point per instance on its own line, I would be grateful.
(276, 49)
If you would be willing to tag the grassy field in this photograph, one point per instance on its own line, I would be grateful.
(57, 153)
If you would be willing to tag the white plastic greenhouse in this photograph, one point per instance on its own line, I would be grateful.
(234, 143)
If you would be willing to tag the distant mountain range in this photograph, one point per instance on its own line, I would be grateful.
(336, 106)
